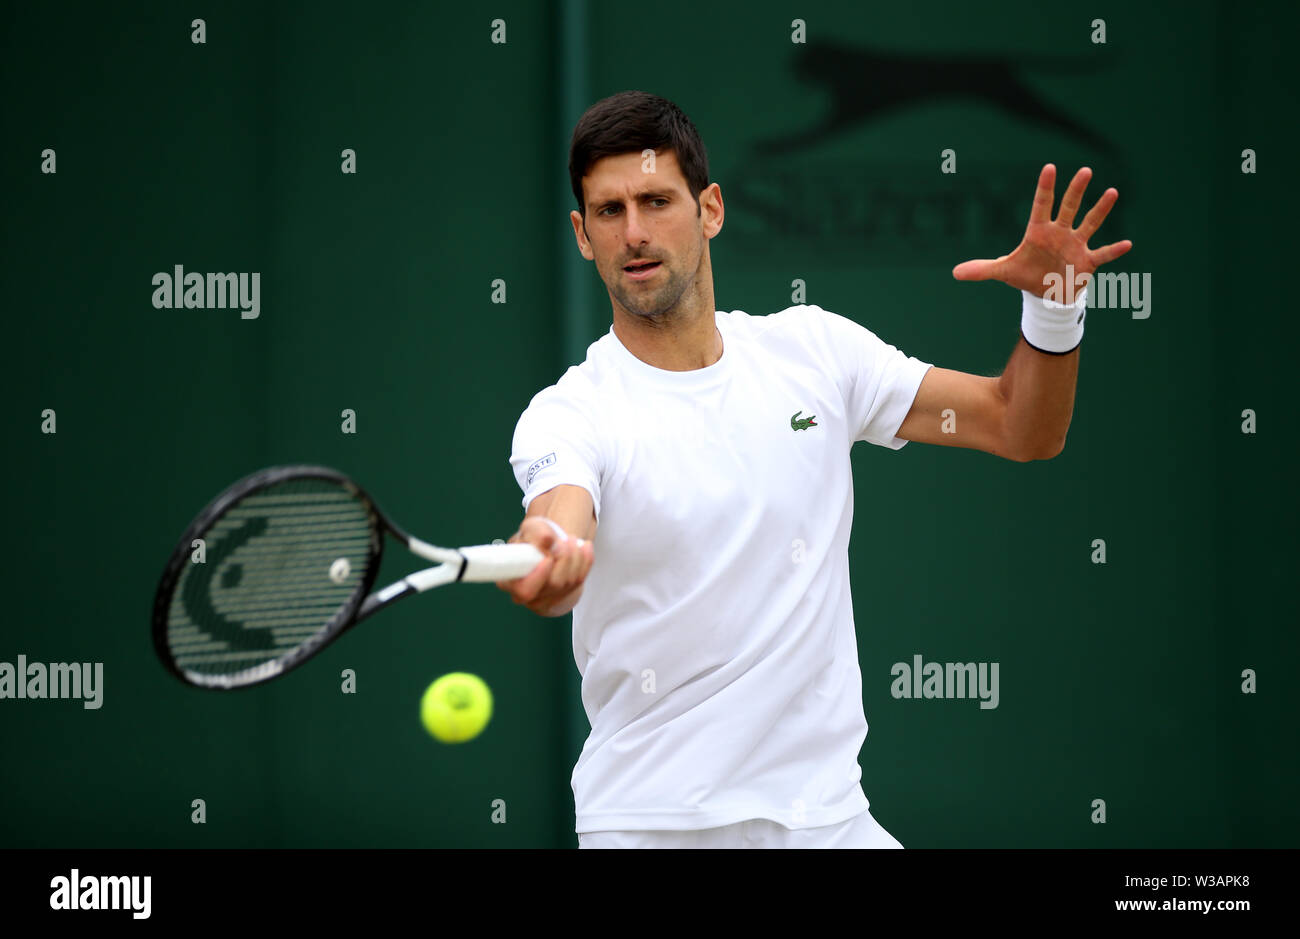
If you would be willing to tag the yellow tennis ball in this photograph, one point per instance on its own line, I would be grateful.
(456, 707)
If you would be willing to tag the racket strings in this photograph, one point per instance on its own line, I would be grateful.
(280, 565)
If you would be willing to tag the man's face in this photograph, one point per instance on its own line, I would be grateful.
(634, 217)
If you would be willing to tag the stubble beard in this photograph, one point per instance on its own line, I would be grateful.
(660, 307)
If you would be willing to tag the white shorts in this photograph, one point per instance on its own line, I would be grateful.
(861, 831)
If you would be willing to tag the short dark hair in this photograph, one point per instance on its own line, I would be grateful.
(633, 121)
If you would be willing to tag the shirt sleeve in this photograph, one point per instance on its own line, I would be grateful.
(879, 381)
(555, 444)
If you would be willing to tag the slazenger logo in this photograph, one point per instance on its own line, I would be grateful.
(102, 893)
(537, 468)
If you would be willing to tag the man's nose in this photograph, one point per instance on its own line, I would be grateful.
(635, 232)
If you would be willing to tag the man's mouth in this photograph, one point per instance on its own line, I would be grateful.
(639, 270)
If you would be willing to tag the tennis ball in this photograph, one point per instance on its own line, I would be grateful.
(456, 707)
(340, 570)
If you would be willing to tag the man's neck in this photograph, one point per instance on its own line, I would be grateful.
(675, 345)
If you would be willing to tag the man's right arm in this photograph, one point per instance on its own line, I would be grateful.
(553, 587)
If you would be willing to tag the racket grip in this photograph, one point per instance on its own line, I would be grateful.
(492, 562)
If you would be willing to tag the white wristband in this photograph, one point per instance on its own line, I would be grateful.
(560, 532)
(1053, 327)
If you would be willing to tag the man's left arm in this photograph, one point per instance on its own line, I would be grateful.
(1024, 413)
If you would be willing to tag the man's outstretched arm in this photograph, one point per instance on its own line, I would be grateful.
(1025, 412)
(1022, 415)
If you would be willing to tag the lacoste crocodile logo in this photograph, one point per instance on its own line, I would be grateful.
(802, 423)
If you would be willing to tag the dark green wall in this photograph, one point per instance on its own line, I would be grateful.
(1118, 681)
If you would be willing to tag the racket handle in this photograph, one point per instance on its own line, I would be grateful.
(491, 562)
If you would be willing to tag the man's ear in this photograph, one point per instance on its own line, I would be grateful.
(713, 211)
(580, 233)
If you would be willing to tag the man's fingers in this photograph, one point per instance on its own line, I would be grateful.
(532, 584)
(583, 555)
(541, 533)
(1092, 221)
(525, 589)
(1109, 253)
(571, 564)
(568, 567)
(1073, 196)
(982, 269)
(1044, 196)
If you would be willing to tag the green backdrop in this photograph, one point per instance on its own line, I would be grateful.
(1119, 681)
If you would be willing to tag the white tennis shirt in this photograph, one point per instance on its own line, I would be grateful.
(715, 634)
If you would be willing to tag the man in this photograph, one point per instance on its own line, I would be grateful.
(690, 486)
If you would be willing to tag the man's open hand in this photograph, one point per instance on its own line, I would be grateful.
(1049, 245)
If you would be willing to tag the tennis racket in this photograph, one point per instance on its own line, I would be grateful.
(287, 562)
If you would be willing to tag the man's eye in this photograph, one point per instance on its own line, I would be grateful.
(607, 209)
(664, 201)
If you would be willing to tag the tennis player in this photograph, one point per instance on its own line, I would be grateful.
(690, 485)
